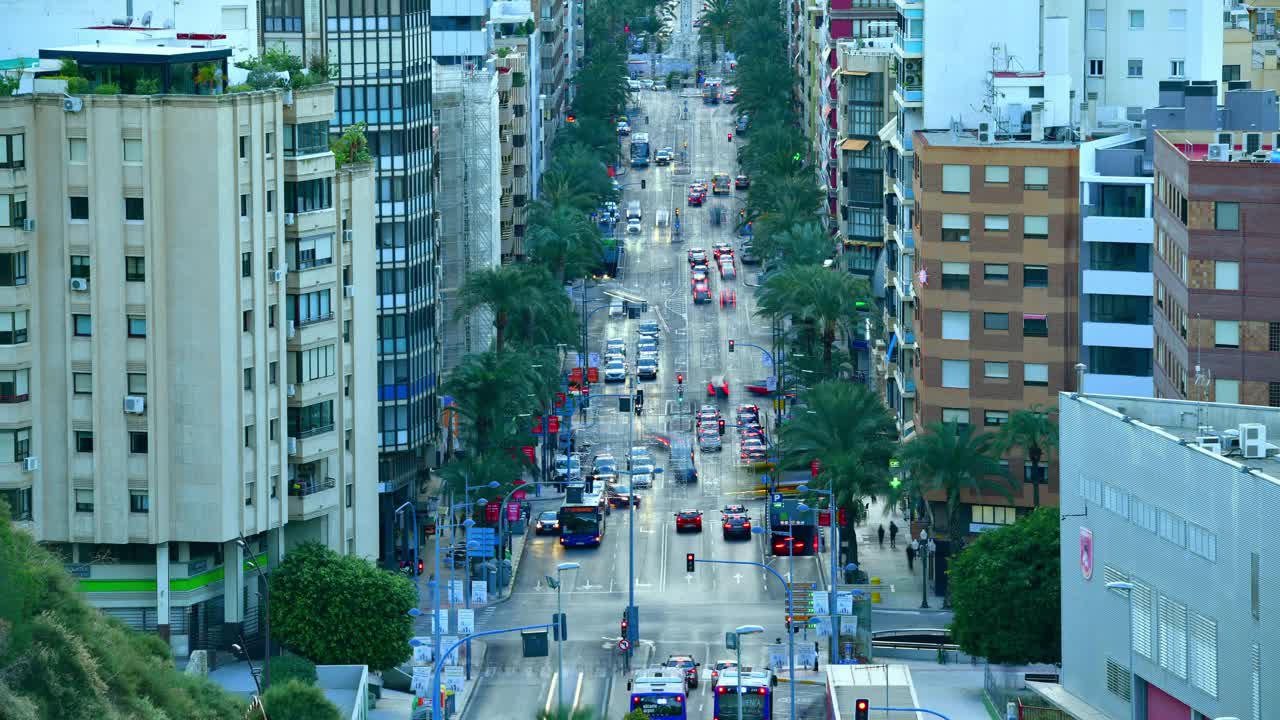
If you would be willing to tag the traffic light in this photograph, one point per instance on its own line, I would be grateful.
(677, 212)
(625, 624)
(421, 566)
(643, 183)
(688, 562)
(679, 378)
(861, 709)
(640, 396)
(730, 346)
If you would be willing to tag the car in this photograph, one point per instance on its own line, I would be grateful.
(648, 328)
(641, 479)
(634, 85)
(647, 368)
(696, 198)
(664, 156)
(720, 667)
(698, 276)
(728, 298)
(634, 227)
(708, 412)
(757, 387)
(620, 496)
(718, 387)
(741, 182)
(615, 346)
(733, 510)
(689, 520)
(647, 344)
(709, 440)
(731, 95)
(700, 268)
(736, 526)
(604, 462)
(747, 412)
(647, 355)
(721, 248)
(749, 257)
(660, 87)
(624, 128)
(614, 357)
(548, 523)
(700, 184)
(701, 293)
(567, 468)
(728, 271)
(688, 665)
(647, 84)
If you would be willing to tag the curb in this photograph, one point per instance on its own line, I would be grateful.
(475, 686)
(515, 571)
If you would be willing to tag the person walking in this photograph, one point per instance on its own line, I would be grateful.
(893, 535)
(880, 532)
(911, 558)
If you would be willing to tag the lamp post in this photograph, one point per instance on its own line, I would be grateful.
(266, 613)
(737, 646)
(417, 576)
(555, 582)
(435, 611)
(923, 548)
(835, 560)
(1127, 587)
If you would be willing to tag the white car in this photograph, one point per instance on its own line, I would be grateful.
(615, 346)
(615, 371)
(644, 480)
(646, 84)
(634, 85)
(633, 226)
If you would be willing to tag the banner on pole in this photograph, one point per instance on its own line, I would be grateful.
(479, 592)
(466, 621)
(454, 678)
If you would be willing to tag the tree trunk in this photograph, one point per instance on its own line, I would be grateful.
(1035, 475)
(499, 331)
(828, 340)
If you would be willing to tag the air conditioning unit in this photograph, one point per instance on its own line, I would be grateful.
(72, 104)
(1219, 152)
(1212, 443)
(346, 236)
(30, 464)
(984, 132)
(1253, 440)
(293, 330)
(291, 390)
(349, 290)
(135, 404)
(290, 218)
(80, 284)
(277, 275)
(293, 446)
(29, 225)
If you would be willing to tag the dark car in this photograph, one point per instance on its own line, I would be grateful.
(742, 182)
(737, 526)
(696, 255)
(548, 523)
(620, 496)
(701, 293)
(721, 248)
(689, 520)
(686, 663)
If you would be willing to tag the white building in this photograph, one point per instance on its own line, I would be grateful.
(460, 32)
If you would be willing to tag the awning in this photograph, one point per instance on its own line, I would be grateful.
(854, 144)
(889, 130)
(854, 73)
(1031, 316)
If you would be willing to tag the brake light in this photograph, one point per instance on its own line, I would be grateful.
(761, 691)
(776, 546)
(799, 545)
(747, 524)
(721, 690)
(726, 526)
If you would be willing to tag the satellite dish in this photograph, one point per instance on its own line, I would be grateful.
(146, 19)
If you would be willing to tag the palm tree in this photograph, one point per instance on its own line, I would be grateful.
(564, 240)
(1036, 432)
(814, 294)
(498, 465)
(472, 385)
(848, 429)
(807, 244)
(502, 291)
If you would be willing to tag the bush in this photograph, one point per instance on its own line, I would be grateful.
(78, 86)
(107, 89)
(295, 701)
(147, 86)
(292, 667)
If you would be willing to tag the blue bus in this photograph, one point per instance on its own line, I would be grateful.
(682, 466)
(754, 694)
(582, 516)
(640, 150)
(660, 693)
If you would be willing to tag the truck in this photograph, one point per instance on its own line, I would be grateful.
(640, 150)
(711, 91)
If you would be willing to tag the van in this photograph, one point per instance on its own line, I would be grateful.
(633, 210)
(617, 309)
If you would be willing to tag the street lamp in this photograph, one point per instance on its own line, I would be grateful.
(924, 547)
(266, 612)
(737, 645)
(555, 583)
(835, 560)
(1127, 587)
(791, 610)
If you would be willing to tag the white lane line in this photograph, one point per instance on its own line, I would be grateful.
(555, 678)
(577, 693)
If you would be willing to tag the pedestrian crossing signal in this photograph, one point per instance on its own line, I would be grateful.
(861, 709)
(688, 562)
(730, 346)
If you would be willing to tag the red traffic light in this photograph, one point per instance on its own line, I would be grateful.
(679, 378)
(421, 566)
(861, 709)
(688, 562)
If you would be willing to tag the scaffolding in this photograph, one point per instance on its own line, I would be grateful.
(465, 109)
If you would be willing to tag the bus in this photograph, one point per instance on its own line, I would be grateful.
(583, 516)
(659, 693)
(720, 183)
(640, 150)
(711, 91)
(754, 694)
(791, 531)
(683, 468)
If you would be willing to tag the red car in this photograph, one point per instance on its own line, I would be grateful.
(742, 182)
(722, 248)
(758, 387)
(696, 198)
(701, 292)
(689, 520)
(718, 387)
(728, 298)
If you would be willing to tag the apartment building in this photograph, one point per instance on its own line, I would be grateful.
(1249, 44)
(1174, 498)
(863, 101)
(459, 32)
(519, 121)
(995, 327)
(187, 360)
(1217, 336)
(556, 68)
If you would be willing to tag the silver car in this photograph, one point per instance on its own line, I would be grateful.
(615, 372)
(709, 441)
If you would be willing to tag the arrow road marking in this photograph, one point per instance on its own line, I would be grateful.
(737, 578)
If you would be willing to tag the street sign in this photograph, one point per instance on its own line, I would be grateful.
(485, 537)
(466, 621)
(624, 645)
(731, 641)
(593, 360)
(454, 678)
(443, 619)
(421, 683)
(771, 383)
(513, 511)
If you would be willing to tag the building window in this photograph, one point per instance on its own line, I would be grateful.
(1095, 64)
(996, 174)
(250, 490)
(995, 272)
(273, 429)
(1035, 326)
(1273, 394)
(15, 385)
(995, 321)
(15, 445)
(996, 370)
(955, 228)
(1035, 374)
(137, 327)
(273, 372)
(271, 201)
(244, 147)
(1097, 19)
(1128, 309)
(132, 150)
(137, 383)
(1226, 275)
(79, 205)
(133, 209)
(268, 143)
(955, 325)
(1226, 216)
(1178, 19)
(1035, 276)
(248, 436)
(955, 276)
(1172, 618)
(995, 223)
(80, 267)
(1230, 73)
(311, 420)
(319, 362)
(1135, 67)
(246, 320)
(955, 374)
(13, 209)
(82, 325)
(82, 383)
(13, 327)
(271, 315)
(1226, 391)
(959, 416)
(1035, 226)
(84, 441)
(13, 153)
(308, 195)
(307, 138)
(1177, 68)
(77, 150)
(955, 178)
(244, 206)
(1226, 333)
(350, 493)
(309, 307)
(1202, 542)
(138, 442)
(1137, 19)
(994, 515)
(135, 268)
(995, 417)
(19, 501)
(246, 264)
(310, 252)
(1035, 178)
(84, 501)
(248, 378)
(13, 269)
(139, 501)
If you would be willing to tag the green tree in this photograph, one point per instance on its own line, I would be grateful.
(352, 146)
(295, 700)
(1036, 432)
(292, 667)
(564, 240)
(502, 291)
(635, 715)
(807, 244)
(341, 609)
(813, 294)
(1005, 593)
(490, 415)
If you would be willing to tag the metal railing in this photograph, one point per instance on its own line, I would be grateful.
(303, 488)
(319, 430)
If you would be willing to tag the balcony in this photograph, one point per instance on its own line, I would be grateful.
(1117, 282)
(1101, 228)
(906, 383)
(908, 96)
(907, 46)
(904, 190)
(312, 497)
(1127, 385)
(1126, 335)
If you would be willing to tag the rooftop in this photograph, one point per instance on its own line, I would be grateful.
(969, 138)
(135, 54)
(1203, 146)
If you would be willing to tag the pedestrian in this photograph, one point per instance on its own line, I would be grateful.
(911, 558)
(893, 535)
(880, 532)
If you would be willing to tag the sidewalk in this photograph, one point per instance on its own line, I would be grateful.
(899, 586)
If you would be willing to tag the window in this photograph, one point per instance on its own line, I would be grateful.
(246, 320)
(995, 223)
(318, 363)
(250, 490)
(13, 327)
(15, 445)
(955, 276)
(80, 267)
(273, 429)
(244, 206)
(137, 383)
(13, 209)
(268, 143)
(1226, 391)
(133, 209)
(132, 150)
(1035, 226)
(1230, 73)
(1273, 394)
(1035, 276)
(306, 138)
(248, 436)
(350, 492)
(19, 502)
(13, 269)
(1226, 333)
(311, 419)
(1177, 68)
(271, 201)
(1035, 326)
(79, 207)
(78, 150)
(955, 325)
(308, 195)
(1226, 216)
(1202, 653)
(1135, 67)
(137, 326)
(997, 370)
(13, 153)
(1097, 19)
(1035, 374)
(955, 228)
(1035, 178)
(309, 252)
(82, 325)
(139, 500)
(994, 515)
(82, 383)
(960, 416)
(995, 321)
(1172, 617)
(995, 272)
(248, 378)
(1095, 65)
(135, 268)
(995, 417)
(84, 441)
(1178, 19)
(246, 264)
(1226, 275)
(244, 147)
(15, 385)
(309, 307)
(1137, 19)
(1202, 542)
(273, 373)
(138, 442)
(996, 174)
(955, 178)
(84, 501)
(955, 374)
(271, 315)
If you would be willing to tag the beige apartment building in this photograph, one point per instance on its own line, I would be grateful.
(996, 326)
(517, 100)
(1250, 42)
(190, 334)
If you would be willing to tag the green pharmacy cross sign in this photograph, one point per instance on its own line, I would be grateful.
(895, 480)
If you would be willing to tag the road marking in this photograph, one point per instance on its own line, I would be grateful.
(737, 578)
(577, 693)
(688, 578)
(555, 678)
